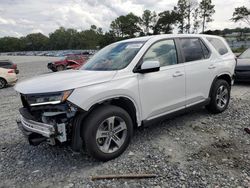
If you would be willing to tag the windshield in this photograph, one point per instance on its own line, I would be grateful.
(245, 55)
(113, 57)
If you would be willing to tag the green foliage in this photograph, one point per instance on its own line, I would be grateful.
(148, 21)
(187, 15)
(165, 22)
(10, 44)
(63, 39)
(206, 12)
(241, 14)
(124, 26)
(182, 13)
(35, 41)
(239, 50)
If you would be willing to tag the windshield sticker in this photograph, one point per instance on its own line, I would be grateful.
(138, 45)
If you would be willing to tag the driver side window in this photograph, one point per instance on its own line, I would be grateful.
(163, 51)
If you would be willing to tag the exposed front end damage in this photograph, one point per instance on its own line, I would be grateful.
(47, 122)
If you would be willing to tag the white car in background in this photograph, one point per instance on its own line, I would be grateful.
(125, 85)
(7, 77)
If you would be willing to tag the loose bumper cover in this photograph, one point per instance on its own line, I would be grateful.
(28, 126)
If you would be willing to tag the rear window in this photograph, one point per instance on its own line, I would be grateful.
(194, 49)
(218, 45)
(4, 63)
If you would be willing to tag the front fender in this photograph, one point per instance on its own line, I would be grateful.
(88, 96)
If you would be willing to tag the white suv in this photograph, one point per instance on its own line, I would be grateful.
(125, 85)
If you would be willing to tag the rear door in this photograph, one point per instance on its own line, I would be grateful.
(199, 67)
(162, 92)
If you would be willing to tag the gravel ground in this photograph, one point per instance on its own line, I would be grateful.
(196, 149)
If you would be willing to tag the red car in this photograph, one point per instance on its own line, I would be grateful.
(68, 62)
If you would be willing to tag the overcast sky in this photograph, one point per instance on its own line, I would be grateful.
(21, 17)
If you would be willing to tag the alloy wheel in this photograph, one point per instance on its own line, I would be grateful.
(111, 134)
(222, 96)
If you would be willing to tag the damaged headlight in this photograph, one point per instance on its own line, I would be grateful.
(49, 98)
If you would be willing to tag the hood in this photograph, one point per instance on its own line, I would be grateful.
(243, 64)
(65, 80)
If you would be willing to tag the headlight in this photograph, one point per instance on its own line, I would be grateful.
(51, 98)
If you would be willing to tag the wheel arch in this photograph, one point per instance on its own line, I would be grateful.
(123, 102)
(223, 76)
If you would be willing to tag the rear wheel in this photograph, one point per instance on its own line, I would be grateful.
(3, 83)
(220, 96)
(60, 68)
(107, 133)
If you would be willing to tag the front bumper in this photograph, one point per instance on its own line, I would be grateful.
(51, 66)
(28, 126)
(242, 75)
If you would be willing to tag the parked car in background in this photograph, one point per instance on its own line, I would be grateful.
(68, 62)
(7, 77)
(9, 65)
(125, 85)
(242, 69)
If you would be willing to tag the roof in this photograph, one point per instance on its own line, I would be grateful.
(146, 38)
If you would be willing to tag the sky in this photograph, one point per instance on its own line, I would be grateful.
(21, 17)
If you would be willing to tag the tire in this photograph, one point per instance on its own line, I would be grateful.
(220, 97)
(54, 69)
(100, 137)
(3, 83)
(60, 68)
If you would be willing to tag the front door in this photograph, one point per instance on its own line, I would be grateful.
(162, 92)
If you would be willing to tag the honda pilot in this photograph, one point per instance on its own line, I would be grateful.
(125, 85)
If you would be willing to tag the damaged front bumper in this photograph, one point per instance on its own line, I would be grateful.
(38, 131)
(29, 126)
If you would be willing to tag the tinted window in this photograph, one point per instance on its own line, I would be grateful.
(4, 63)
(163, 51)
(205, 50)
(193, 49)
(218, 45)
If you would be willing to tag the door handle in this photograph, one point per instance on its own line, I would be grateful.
(177, 74)
(211, 66)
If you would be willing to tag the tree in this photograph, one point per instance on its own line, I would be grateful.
(36, 41)
(10, 44)
(191, 7)
(196, 21)
(206, 12)
(241, 14)
(126, 25)
(185, 10)
(148, 21)
(181, 12)
(165, 22)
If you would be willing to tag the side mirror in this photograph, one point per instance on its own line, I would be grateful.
(149, 66)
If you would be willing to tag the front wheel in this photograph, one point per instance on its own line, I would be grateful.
(220, 96)
(107, 132)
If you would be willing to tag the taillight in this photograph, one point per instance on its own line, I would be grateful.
(11, 71)
(14, 66)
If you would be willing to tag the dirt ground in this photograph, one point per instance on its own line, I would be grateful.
(196, 149)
